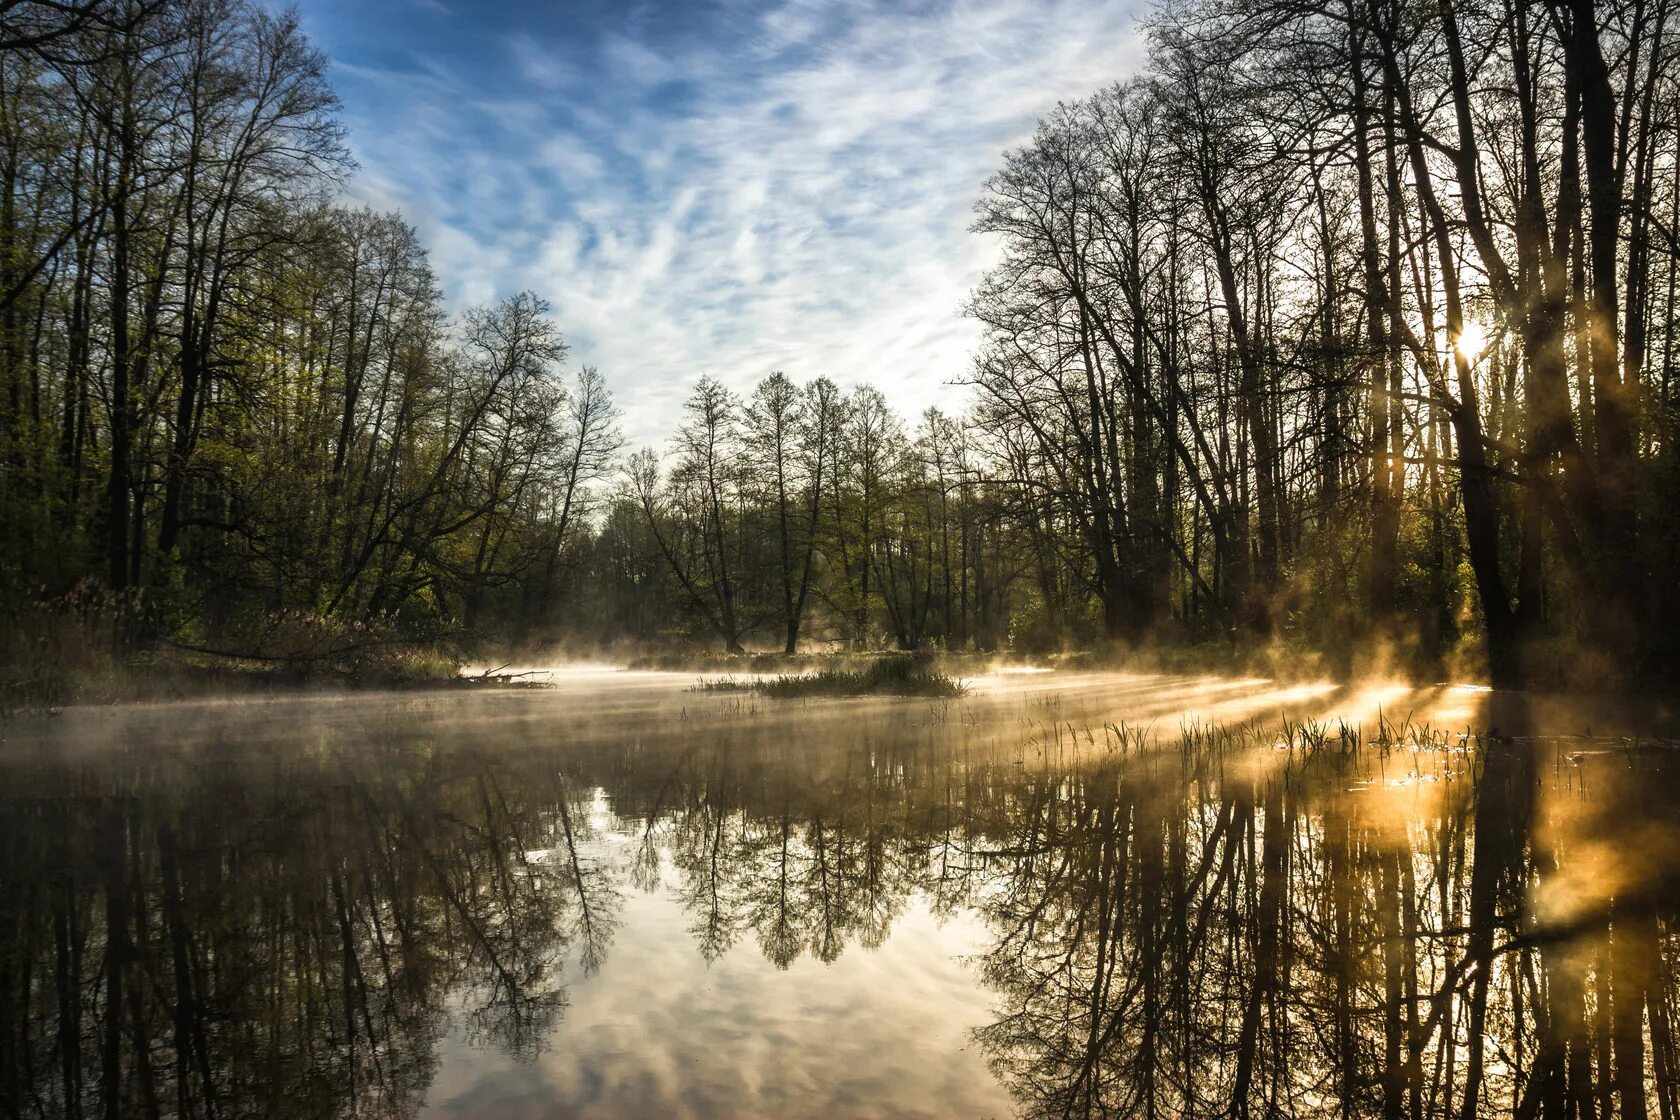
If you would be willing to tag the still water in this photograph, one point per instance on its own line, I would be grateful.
(1060, 896)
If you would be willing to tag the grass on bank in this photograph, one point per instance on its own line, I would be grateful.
(685, 659)
(71, 652)
(879, 676)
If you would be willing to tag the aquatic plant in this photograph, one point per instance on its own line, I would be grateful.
(882, 676)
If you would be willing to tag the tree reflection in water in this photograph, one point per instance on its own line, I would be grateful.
(1252, 923)
(227, 931)
(1340, 931)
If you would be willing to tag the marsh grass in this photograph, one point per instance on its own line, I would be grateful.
(766, 663)
(881, 676)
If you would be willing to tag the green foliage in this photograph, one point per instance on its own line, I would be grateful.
(1195, 427)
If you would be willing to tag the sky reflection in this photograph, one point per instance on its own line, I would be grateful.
(1064, 894)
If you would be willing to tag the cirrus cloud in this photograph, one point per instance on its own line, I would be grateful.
(721, 188)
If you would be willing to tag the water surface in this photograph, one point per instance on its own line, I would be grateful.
(1064, 895)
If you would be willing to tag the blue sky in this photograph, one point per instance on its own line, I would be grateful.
(725, 188)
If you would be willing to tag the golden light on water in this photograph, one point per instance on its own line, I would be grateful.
(734, 865)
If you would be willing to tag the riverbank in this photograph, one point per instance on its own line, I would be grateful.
(1281, 661)
(51, 659)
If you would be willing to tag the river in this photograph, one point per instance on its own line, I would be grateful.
(1064, 894)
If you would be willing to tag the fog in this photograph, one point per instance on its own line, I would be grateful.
(615, 895)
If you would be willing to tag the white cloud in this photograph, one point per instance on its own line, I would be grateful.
(800, 201)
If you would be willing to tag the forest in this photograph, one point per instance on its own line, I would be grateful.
(1341, 328)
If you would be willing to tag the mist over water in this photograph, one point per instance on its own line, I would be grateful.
(1063, 894)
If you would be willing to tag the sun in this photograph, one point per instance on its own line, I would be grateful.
(1471, 341)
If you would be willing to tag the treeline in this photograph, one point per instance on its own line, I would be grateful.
(1344, 326)
(804, 504)
(228, 405)
(1357, 318)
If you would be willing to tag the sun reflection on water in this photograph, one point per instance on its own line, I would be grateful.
(621, 896)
